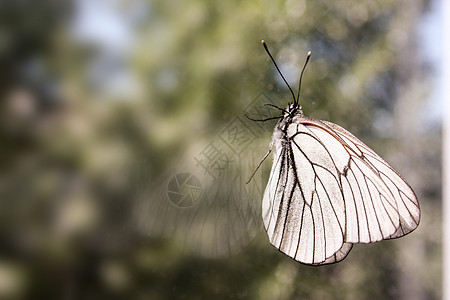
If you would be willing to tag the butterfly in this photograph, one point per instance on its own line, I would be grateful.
(327, 190)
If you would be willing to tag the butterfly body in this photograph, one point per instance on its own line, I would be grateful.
(328, 190)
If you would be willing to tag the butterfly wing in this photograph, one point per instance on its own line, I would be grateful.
(407, 204)
(328, 190)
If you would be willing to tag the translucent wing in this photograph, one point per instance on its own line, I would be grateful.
(327, 190)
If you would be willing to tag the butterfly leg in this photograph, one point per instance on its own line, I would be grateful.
(262, 120)
(260, 163)
(279, 108)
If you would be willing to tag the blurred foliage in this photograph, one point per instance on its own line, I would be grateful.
(93, 127)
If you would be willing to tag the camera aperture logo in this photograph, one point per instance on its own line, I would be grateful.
(184, 190)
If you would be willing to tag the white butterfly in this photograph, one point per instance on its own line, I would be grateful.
(327, 190)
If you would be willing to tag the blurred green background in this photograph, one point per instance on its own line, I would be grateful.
(108, 107)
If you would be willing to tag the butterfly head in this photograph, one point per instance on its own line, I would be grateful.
(292, 112)
(293, 109)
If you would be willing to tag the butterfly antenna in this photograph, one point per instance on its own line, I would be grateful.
(276, 66)
(301, 75)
